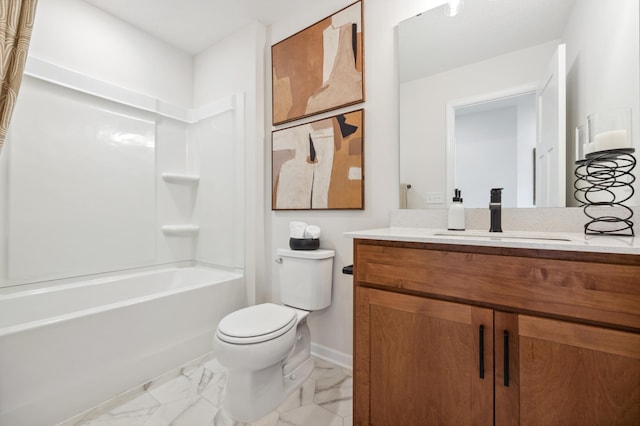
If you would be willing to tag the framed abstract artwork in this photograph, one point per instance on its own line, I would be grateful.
(319, 165)
(319, 68)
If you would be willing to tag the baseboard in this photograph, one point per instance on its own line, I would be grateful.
(336, 357)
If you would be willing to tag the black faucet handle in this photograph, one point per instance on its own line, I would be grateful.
(496, 195)
(495, 206)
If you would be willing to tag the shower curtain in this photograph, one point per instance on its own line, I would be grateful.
(16, 23)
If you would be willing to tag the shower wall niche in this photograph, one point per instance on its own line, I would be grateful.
(91, 183)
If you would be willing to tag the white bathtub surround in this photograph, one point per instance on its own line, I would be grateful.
(138, 174)
(76, 344)
(192, 394)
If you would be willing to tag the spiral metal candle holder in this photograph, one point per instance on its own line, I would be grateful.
(604, 181)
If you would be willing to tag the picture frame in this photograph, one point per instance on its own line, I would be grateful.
(320, 68)
(319, 165)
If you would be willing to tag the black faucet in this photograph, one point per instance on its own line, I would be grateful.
(495, 208)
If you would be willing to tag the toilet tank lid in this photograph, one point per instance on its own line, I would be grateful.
(307, 254)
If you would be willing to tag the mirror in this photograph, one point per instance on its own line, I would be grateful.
(451, 67)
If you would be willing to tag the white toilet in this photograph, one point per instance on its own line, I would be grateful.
(267, 348)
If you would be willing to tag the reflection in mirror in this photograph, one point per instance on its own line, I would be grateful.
(495, 49)
(494, 148)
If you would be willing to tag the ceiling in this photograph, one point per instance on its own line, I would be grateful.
(194, 25)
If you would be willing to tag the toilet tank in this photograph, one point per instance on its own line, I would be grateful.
(305, 278)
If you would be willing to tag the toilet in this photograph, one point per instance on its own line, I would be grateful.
(266, 348)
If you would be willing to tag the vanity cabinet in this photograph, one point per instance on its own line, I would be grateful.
(465, 335)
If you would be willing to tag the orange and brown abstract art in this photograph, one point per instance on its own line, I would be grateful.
(319, 165)
(320, 68)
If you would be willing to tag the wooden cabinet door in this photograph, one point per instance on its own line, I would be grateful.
(418, 361)
(567, 374)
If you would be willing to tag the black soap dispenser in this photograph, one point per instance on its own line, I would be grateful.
(456, 213)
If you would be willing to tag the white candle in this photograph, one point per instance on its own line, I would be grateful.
(614, 139)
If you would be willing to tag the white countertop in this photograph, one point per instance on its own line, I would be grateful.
(512, 239)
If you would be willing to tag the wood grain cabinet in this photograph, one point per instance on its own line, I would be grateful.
(462, 335)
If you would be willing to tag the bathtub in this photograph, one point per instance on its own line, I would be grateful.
(66, 347)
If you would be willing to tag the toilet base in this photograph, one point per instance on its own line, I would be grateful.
(297, 377)
(252, 395)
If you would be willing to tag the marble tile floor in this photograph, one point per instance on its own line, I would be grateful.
(192, 396)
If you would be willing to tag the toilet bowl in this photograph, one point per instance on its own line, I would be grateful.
(266, 348)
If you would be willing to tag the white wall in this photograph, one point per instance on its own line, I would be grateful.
(80, 37)
(331, 329)
(591, 63)
(423, 111)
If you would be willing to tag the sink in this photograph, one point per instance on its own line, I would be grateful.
(516, 235)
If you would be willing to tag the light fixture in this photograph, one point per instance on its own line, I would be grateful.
(453, 7)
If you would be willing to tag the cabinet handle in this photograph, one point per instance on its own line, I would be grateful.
(506, 358)
(481, 360)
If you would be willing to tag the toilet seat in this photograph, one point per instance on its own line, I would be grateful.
(256, 324)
